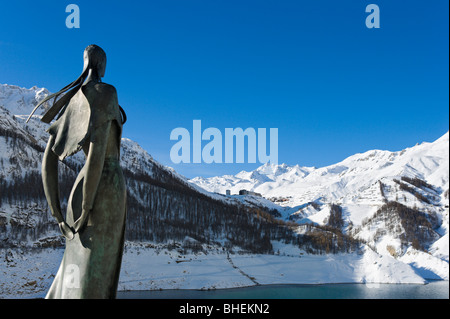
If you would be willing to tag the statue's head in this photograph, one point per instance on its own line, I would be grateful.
(95, 58)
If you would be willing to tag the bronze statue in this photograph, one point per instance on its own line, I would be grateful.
(89, 119)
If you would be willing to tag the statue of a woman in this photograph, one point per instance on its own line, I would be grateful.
(89, 119)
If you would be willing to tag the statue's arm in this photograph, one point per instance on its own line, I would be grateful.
(94, 167)
(50, 180)
(51, 186)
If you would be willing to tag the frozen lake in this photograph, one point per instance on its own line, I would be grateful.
(432, 290)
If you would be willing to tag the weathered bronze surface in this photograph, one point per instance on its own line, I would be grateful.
(90, 119)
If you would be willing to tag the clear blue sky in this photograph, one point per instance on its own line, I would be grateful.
(312, 69)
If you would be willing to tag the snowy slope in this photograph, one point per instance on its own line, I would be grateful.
(357, 173)
(29, 274)
(417, 178)
(354, 183)
(21, 101)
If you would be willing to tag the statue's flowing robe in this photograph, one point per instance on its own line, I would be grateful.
(91, 263)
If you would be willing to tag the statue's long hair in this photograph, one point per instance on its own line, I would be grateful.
(93, 57)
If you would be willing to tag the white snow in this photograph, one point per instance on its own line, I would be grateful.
(361, 184)
(145, 266)
(344, 181)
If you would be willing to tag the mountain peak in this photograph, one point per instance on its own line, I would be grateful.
(21, 101)
(427, 161)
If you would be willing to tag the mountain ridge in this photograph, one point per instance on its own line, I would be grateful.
(262, 178)
(362, 190)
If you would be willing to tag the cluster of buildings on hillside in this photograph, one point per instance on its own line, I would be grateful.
(244, 192)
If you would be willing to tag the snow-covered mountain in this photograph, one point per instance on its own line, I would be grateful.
(353, 182)
(383, 215)
(20, 100)
(396, 202)
(342, 181)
